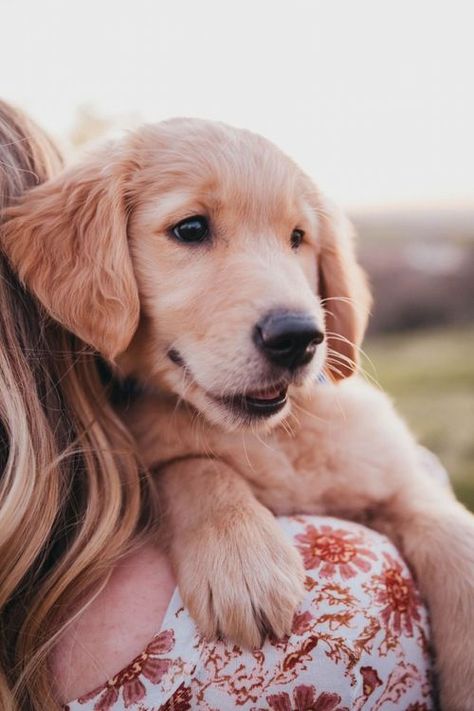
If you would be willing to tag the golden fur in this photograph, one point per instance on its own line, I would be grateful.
(96, 247)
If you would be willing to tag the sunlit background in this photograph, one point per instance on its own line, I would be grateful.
(374, 99)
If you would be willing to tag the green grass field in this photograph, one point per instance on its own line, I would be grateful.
(430, 376)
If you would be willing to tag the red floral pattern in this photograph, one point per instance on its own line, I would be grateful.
(128, 683)
(334, 550)
(371, 680)
(304, 699)
(180, 701)
(359, 641)
(396, 591)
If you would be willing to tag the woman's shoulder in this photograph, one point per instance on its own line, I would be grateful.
(116, 626)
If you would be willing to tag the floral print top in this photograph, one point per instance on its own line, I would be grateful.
(360, 642)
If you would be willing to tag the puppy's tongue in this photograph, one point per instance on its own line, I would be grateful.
(269, 394)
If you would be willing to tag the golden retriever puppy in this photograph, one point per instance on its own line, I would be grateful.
(201, 261)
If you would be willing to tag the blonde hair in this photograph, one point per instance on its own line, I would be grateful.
(73, 497)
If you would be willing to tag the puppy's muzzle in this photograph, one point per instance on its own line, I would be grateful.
(287, 338)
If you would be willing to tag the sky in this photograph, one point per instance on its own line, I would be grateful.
(374, 98)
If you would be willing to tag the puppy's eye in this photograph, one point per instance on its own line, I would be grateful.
(296, 238)
(192, 229)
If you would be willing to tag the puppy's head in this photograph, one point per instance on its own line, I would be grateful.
(203, 261)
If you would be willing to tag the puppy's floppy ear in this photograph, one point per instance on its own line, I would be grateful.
(67, 240)
(344, 292)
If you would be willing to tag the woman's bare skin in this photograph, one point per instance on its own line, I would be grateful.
(116, 626)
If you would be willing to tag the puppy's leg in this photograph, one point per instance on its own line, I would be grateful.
(436, 535)
(237, 573)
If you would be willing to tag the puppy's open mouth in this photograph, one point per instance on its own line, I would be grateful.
(259, 403)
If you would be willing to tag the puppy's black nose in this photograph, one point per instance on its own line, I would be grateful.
(287, 338)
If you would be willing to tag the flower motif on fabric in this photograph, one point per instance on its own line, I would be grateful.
(180, 701)
(305, 699)
(128, 683)
(302, 622)
(371, 680)
(396, 591)
(334, 550)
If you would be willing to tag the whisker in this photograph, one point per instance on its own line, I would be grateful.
(340, 337)
(335, 358)
(342, 357)
(293, 415)
(286, 426)
(256, 434)
(334, 369)
(308, 413)
(244, 446)
(344, 300)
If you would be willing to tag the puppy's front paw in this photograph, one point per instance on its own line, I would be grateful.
(240, 578)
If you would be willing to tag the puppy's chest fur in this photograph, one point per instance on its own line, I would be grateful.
(327, 457)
